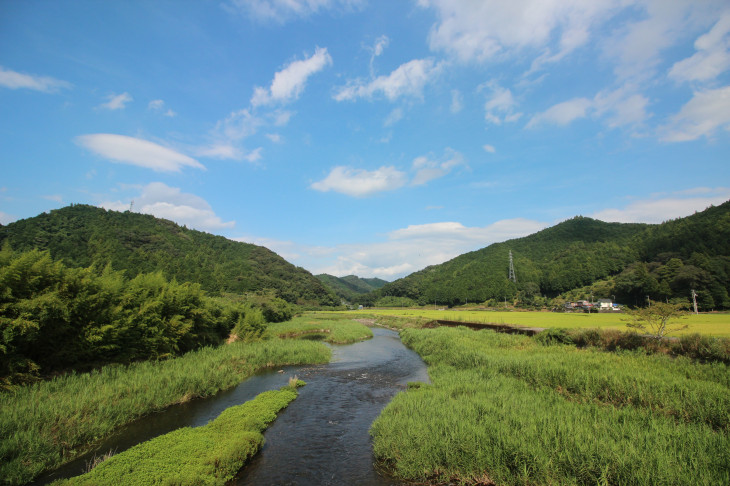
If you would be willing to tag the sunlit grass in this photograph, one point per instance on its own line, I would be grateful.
(507, 409)
(46, 424)
(331, 330)
(709, 324)
(211, 454)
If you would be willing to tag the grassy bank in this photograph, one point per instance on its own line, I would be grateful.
(332, 329)
(708, 324)
(46, 424)
(210, 455)
(505, 409)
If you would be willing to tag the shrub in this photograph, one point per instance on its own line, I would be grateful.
(553, 336)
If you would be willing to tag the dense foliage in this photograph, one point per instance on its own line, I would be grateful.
(583, 257)
(53, 317)
(82, 236)
(351, 288)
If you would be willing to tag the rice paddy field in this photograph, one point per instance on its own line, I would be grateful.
(708, 324)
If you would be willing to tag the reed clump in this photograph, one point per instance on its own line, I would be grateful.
(49, 423)
(210, 455)
(512, 409)
(334, 331)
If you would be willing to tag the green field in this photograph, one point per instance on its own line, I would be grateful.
(506, 409)
(709, 324)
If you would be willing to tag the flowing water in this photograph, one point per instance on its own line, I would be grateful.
(321, 438)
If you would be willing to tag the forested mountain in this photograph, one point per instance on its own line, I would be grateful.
(81, 236)
(351, 286)
(583, 256)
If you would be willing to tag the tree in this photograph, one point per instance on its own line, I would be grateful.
(656, 318)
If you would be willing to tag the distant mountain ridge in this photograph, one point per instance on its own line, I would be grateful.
(351, 286)
(83, 235)
(626, 260)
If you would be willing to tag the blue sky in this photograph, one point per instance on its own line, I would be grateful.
(366, 137)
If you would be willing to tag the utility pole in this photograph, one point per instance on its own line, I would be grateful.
(512, 268)
(694, 300)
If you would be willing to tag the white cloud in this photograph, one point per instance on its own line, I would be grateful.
(408, 79)
(404, 250)
(360, 182)
(289, 83)
(702, 116)
(281, 11)
(457, 101)
(479, 30)
(54, 197)
(712, 57)
(623, 106)
(159, 106)
(275, 137)
(135, 151)
(662, 209)
(489, 148)
(6, 218)
(163, 201)
(428, 169)
(15, 80)
(499, 108)
(117, 102)
(620, 107)
(562, 113)
(380, 44)
(393, 117)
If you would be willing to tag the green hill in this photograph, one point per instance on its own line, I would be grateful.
(351, 287)
(82, 235)
(628, 261)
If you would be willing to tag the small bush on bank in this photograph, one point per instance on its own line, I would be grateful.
(694, 346)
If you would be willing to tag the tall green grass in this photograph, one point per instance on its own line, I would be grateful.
(335, 331)
(207, 455)
(46, 424)
(503, 408)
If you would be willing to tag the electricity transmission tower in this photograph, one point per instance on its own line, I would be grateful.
(511, 268)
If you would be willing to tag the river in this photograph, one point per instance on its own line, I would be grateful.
(321, 438)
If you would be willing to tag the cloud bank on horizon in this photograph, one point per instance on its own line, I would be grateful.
(368, 138)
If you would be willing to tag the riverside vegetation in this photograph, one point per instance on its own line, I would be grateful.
(47, 423)
(508, 409)
(207, 455)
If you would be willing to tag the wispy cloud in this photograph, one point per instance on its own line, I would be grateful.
(159, 107)
(428, 168)
(289, 83)
(163, 201)
(618, 107)
(665, 207)
(46, 84)
(117, 101)
(408, 80)
(6, 218)
(712, 57)
(707, 112)
(135, 151)
(360, 182)
(281, 11)
(500, 105)
(403, 250)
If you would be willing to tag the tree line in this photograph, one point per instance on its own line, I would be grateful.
(55, 318)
